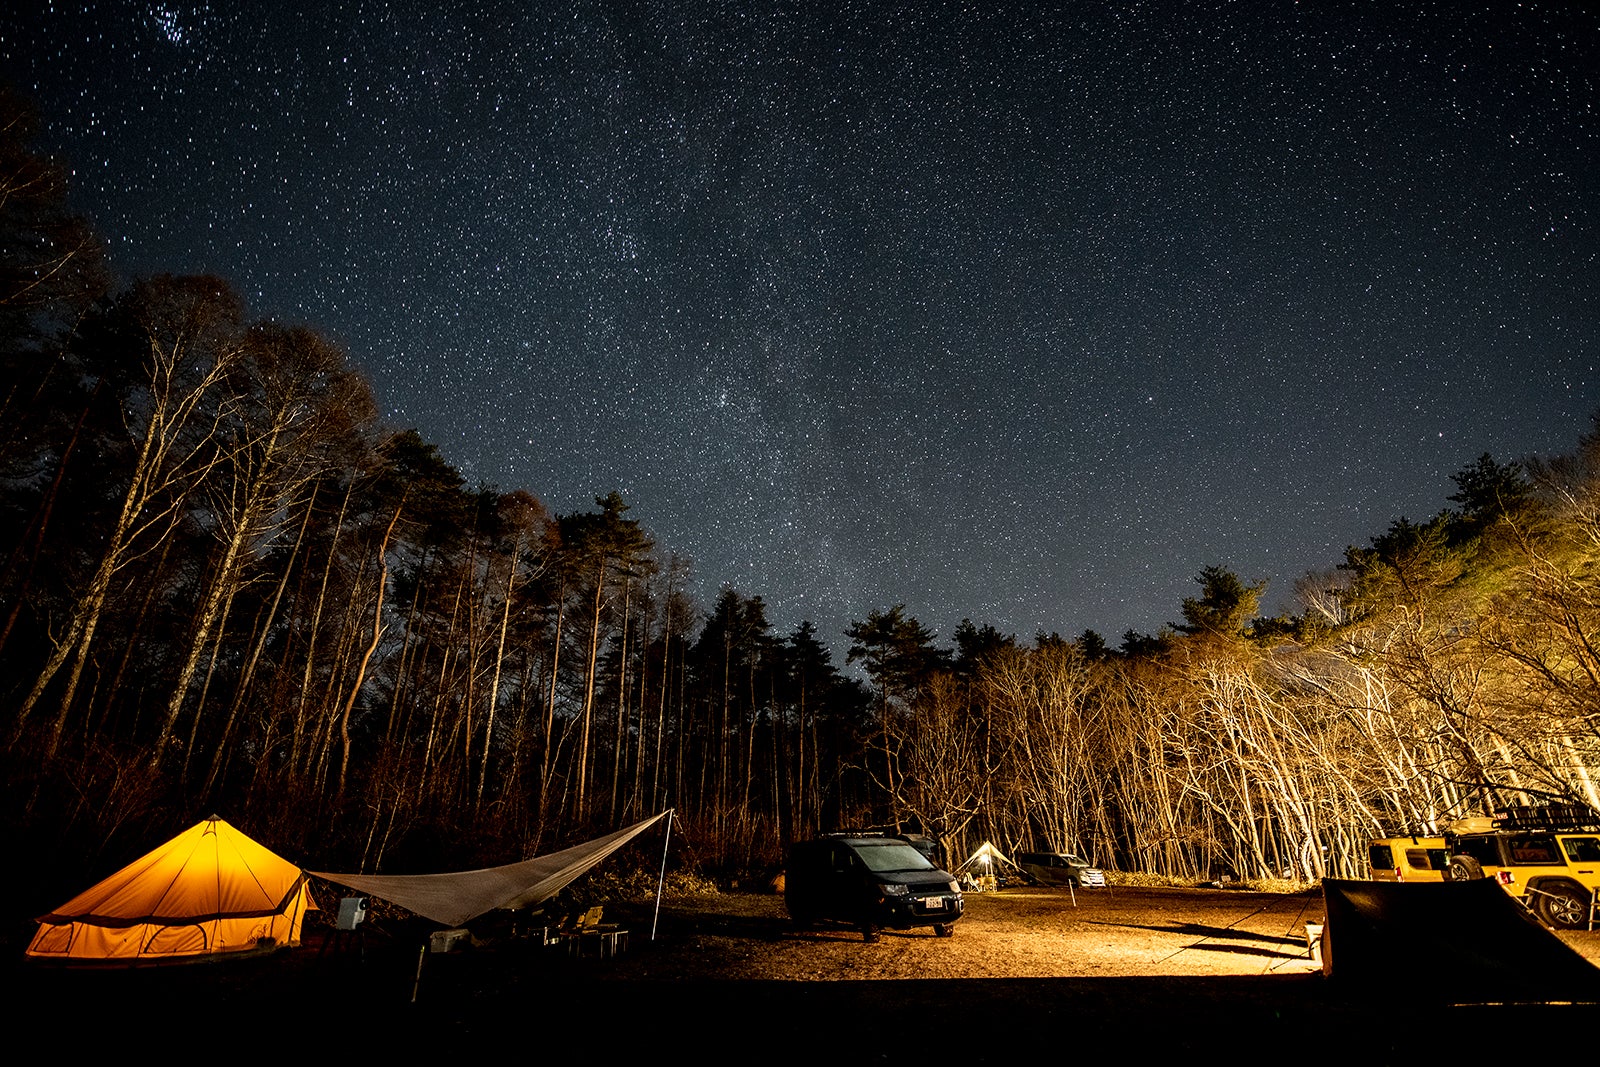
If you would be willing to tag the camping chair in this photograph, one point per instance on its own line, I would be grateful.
(1314, 942)
(608, 939)
(577, 922)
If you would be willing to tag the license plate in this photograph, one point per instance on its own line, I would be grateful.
(934, 903)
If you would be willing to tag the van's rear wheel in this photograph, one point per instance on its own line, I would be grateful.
(944, 929)
(1564, 906)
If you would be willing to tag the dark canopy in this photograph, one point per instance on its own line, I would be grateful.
(1468, 942)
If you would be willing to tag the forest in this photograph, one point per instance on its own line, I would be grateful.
(227, 587)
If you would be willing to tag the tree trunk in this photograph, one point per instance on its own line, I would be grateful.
(366, 658)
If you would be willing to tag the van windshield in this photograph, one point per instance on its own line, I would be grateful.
(892, 856)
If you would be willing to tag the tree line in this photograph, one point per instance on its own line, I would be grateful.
(226, 586)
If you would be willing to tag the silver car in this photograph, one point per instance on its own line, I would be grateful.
(1060, 868)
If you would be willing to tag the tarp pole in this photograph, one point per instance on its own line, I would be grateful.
(662, 877)
(416, 984)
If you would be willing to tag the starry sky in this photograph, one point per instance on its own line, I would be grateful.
(1020, 312)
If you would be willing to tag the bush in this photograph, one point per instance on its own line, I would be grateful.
(1254, 885)
(640, 883)
(1274, 885)
(1146, 879)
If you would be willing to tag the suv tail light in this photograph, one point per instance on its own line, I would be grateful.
(1506, 877)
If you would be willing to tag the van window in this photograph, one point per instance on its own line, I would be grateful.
(891, 856)
(1582, 849)
(1426, 859)
(1486, 850)
(1534, 851)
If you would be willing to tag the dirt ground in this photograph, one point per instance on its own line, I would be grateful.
(1138, 974)
(1028, 932)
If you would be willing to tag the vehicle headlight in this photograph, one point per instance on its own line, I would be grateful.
(955, 887)
(895, 889)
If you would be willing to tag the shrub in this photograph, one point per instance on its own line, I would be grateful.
(1254, 885)
(640, 883)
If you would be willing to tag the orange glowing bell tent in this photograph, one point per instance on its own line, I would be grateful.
(207, 893)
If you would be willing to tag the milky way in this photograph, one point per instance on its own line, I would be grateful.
(1018, 312)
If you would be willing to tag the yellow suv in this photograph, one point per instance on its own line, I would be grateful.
(1408, 859)
(1548, 858)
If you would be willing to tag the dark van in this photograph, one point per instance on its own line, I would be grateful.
(870, 882)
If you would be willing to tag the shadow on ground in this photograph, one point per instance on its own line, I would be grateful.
(539, 1000)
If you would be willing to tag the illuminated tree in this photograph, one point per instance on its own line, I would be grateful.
(1224, 608)
(290, 403)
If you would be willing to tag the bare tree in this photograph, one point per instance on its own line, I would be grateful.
(189, 331)
(289, 397)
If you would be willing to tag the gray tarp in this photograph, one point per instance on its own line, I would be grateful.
(1464, 940)
(455, 898)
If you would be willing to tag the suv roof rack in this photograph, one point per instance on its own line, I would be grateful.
(1548, 817)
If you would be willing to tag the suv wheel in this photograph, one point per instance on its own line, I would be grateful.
(1564, 906)
(1463, 869)
(944, 929)
(869, 933)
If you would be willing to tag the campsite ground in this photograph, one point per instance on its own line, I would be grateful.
(1024, 932)
(1213, 975)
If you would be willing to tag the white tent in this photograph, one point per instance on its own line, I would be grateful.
(985, 858)
(457, 897)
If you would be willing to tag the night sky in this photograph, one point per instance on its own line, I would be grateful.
(1019, 312)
